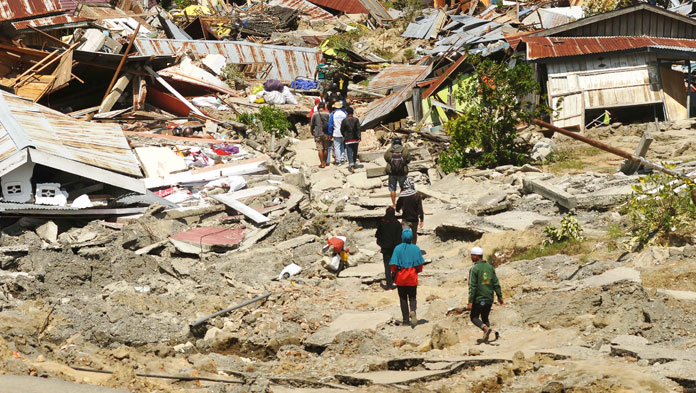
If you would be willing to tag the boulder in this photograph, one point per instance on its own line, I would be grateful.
(443, 337)
(543, 149)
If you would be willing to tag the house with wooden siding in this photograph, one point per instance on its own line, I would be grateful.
(634, 62)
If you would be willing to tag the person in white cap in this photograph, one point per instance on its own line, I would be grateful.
(483, 284)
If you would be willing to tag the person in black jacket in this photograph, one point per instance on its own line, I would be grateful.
(388, 237)
(350, 129)
(412, 205)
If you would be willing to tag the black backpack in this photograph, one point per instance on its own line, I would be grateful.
(398, 164)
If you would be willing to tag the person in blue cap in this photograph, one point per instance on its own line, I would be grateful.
(406, 262)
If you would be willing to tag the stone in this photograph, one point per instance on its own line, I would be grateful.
(296, 242)
(48, 232)
(181, 266)
(613, 276)
(443, 337)
(295, 179)
(681, 124)
(553, 387)
(361, 181)
(474, 352)
(121, 353)
(346, 322)
(543, 149)
(212, 334)
(425, 346)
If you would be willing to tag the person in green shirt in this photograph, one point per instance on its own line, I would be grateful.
(483, 283)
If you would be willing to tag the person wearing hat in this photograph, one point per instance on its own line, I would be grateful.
(335, 121)
(483, 284)
(412, 205)
(397, 158)
(406, 262)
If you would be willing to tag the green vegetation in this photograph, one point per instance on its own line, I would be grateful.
(409, 54)
(385, 54)
(232, 74)
(484, 135)
(597, 7)
(569, 230)
(271, 118)
(344, 40)
(181, 4)
(661, 211)
(567, 247)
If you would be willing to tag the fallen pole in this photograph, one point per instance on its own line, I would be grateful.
(613, 150)
(160, 376)
(227, 310)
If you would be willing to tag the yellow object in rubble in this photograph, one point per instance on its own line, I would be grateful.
(257, 89)
(194, 10)
(344, 256)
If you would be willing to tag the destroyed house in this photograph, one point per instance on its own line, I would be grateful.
(44, 154)
(633, 62)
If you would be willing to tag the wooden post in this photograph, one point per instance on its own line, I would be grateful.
(630, 167)
(120, 65)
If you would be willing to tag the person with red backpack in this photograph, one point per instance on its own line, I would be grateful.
(397, 158)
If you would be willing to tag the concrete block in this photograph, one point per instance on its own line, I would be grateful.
(550, 192)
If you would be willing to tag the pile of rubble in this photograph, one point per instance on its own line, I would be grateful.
(163, 214)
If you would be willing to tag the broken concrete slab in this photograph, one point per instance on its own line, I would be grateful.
(48, 232)
(679, 295)
(391, 377)
(365, 270)
(682, 372)
(613, 276)
(652, 353)
(255, 237)
(24, 384)
(359, 180)
(374, 202)
(242, 208)
(367, 156)
(550, 192)
(517, 220)
(490, 203)
(206, 239)
(296, 242)
(193, 211)
(347, 322)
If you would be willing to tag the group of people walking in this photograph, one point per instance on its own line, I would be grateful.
(335, 128)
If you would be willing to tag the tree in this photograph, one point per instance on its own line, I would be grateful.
(494, 105)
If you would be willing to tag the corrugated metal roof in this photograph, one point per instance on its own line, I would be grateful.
(57, 21)
(17, 9)
(426, 26)
(347, 6)
(551, 47)
(308, 11)
(288, 62)
(70, 5)
(396, 76)
(99, 144)
(382, 107)
(377, 10)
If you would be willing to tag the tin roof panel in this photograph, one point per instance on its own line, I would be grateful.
(552, 47)
(17, 9)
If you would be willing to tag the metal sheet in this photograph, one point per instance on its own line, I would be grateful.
(424, 26)
(288, 62)
(378, 109)
(56, 21)
(308, 11)
(98, 144)
(552, 47)
(377, 10)
(347, 6)
(396, 76)
(17, 9)
(70, 5)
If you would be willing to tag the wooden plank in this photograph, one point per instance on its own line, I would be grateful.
(180, 139)
(675, 94)
(38, 64)
(242, 208)
(116, 92)
(653, 25)
(63, 71)
(36, 89)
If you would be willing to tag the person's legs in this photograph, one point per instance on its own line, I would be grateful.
(342, 158)
(412, 305)
(350, 153)
(387, 269)
(485, 312)
(392, 189)
(328, 153)
(475, 314)
(337, 143)
(403, 299)
(414, 228)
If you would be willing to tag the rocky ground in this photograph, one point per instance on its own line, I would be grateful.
(595, 318)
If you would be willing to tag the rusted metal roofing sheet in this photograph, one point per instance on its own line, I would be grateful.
(308, 11)
(552, 47)
(347, 6)
(17, 9)
(70, 5)
(288, 62)
(98, 144)
(396, 76)
(382, 107)
(57, 21)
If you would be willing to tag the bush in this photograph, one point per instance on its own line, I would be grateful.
(271, 118)
(570, 230)
(661, 211)
(484, 135)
